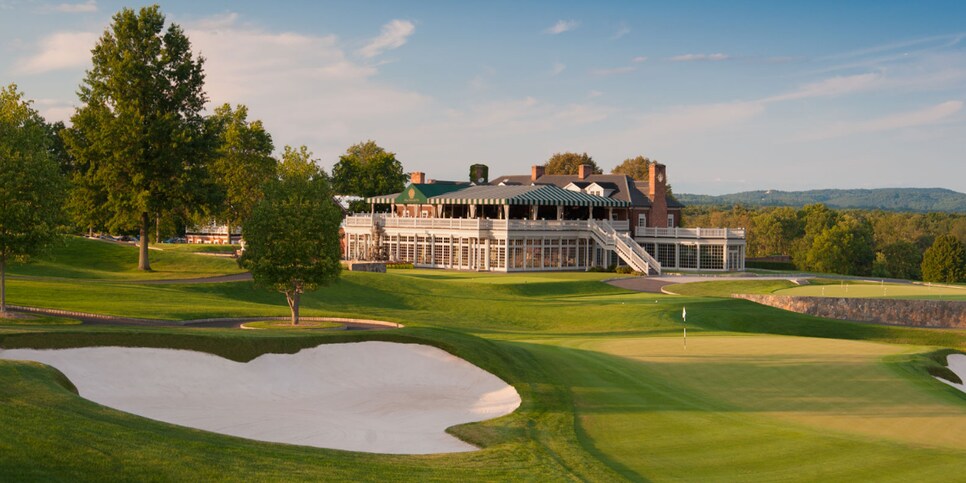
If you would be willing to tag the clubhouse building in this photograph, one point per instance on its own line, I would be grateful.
(540, 222)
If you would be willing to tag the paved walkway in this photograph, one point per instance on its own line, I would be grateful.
(221, 322)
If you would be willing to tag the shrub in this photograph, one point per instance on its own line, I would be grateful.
(945, 261)
(400, 266)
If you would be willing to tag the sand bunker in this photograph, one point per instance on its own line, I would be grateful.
(957, 364)
(376, 397)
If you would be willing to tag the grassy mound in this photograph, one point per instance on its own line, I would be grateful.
(84, 258)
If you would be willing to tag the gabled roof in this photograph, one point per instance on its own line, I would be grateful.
(524, 195)
(607, 185)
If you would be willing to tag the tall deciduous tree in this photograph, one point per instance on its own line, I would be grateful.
(901, 259)
(292, 236)
(140, 133)
(569, 163)
(242, 164)
(845, 248)
(31, 185)
(637, 168)
(945, 261)
(367, 170)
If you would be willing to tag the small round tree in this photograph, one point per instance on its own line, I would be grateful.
(292, 236)
(944, 261)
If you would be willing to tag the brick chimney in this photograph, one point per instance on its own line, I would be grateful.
(536, 172)
(584, 170)
(417, 177)
(657, 192)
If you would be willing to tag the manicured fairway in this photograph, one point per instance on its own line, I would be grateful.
(608, 389)
(760, 407)
(888, 290)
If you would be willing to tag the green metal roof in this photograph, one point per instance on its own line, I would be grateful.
(417, 193)
(383, 199)
(523, 195)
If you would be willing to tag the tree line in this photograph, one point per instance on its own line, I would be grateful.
(140, 153)
(915, 246)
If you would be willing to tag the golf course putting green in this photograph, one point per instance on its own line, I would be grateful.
(376, 397)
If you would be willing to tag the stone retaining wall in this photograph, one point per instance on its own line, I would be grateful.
(913, 313)
(354, 266)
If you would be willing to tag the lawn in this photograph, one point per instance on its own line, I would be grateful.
(878, 290)
(83, 258)
(609, 390)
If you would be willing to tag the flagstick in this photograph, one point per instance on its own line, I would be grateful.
(684, 319)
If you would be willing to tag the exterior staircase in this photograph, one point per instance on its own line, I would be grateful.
(626, 248)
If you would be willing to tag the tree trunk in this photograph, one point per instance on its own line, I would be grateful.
(3, 285)
(143, 262)
(293, 304)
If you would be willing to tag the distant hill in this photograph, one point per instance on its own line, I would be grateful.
(892, 199)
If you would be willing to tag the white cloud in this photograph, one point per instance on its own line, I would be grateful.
(304, 87)
(394, 35)
(561, 26)
(557, 69)
(54, 109)
(700, 57)
(921, 117)
(62, 50)
(87, 7)
(834, 86)
(639, 59)
(594, 93)
(621, 31)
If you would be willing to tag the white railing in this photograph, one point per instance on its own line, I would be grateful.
(547, 225)
(716, 233)
(620, 225)
(626, 248)
(366, 221)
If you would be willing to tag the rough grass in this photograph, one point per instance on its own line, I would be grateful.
(608, 390)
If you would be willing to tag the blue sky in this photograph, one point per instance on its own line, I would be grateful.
(732, 96)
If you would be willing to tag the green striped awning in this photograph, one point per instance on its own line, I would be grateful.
(383, 199)
(523, 195)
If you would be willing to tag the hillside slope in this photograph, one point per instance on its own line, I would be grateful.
(893, 199)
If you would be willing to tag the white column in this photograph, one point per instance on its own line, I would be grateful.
(486, 257)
